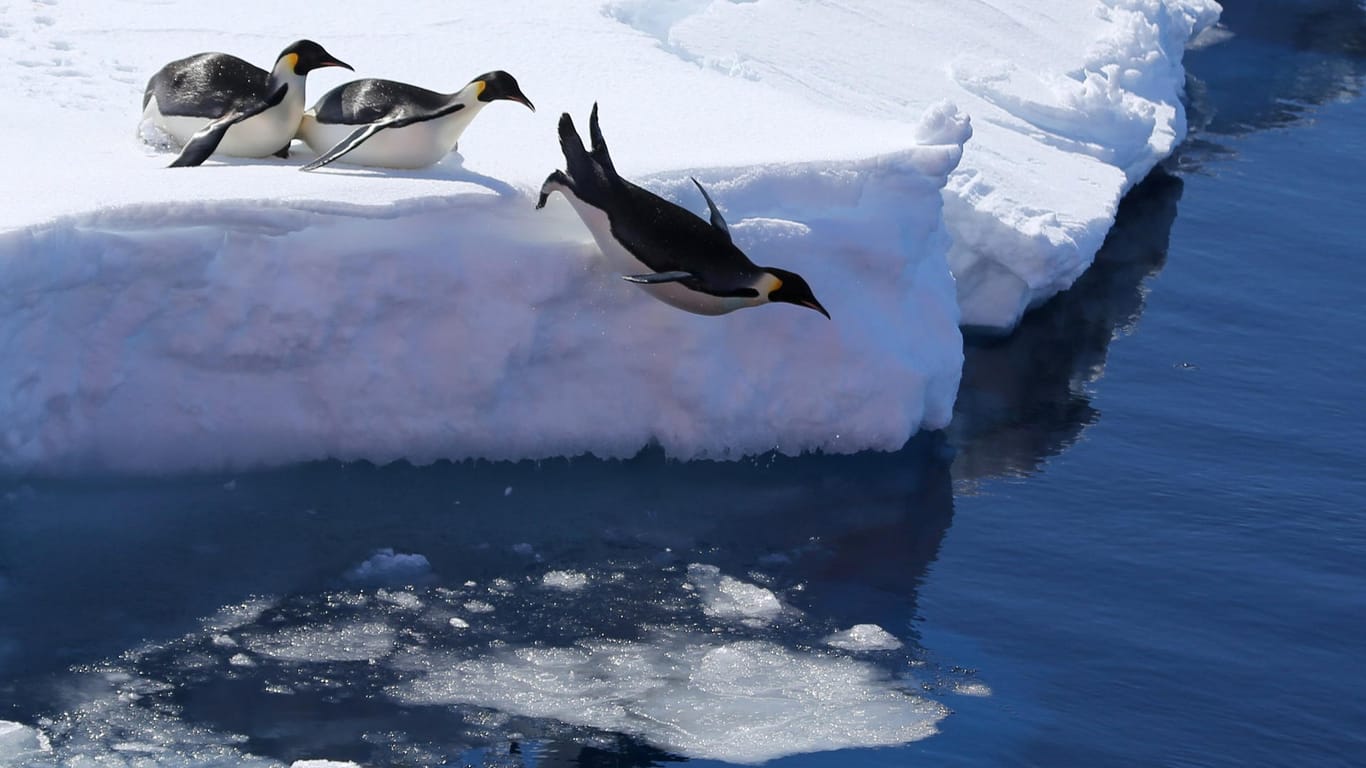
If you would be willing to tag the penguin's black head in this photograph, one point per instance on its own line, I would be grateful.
(309, 56)
(500, 85)
(792, 289)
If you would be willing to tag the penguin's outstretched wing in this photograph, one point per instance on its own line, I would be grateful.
(363, 134)
(203, 143)
(716, 220)
(655, 278)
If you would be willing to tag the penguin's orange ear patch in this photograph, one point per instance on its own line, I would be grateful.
(479, 88)
(292, 60)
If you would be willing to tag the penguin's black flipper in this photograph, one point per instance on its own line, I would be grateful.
(347, 144)
(283, 152)
(206, 140)
(363, 134)
(716, 219)
(655, 278)
(202, 145)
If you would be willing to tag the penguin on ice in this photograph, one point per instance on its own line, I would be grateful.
(675, 255)
(214, 102)
(396, 125)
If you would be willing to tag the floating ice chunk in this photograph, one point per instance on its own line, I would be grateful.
(725, 597)
(458, 623)
(478, 606)
(392, 569)
(322, 764)
(19, 743)
(569, 581)
(405, 600)
(347, 641)
(972, 689)
(864, 637)
(231, 617)
(743, 702)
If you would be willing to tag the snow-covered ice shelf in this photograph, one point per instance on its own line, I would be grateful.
(244, 313)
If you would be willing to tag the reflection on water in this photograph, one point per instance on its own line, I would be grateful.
(1282, 60)
(1026, 398)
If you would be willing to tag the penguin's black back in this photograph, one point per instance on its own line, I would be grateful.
(664, 236)
(360, 102)
(205, 85)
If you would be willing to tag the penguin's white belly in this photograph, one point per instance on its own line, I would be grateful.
(624, 262)
(412, 146)
(257, 136)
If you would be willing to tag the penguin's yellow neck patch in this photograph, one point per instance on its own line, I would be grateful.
(291, 61)
(479, 88)
(768, 284)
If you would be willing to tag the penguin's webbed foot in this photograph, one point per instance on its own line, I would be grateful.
(283, 152)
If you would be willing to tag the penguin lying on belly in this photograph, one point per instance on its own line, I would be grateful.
(675, 255)
(214, 102)
(419, 127)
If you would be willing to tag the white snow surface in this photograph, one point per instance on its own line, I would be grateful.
(244, 314)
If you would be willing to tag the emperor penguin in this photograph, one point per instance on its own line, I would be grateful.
(396, 125)
(676, 256)
(214, 102)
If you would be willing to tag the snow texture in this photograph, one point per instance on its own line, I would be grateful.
(244, 314)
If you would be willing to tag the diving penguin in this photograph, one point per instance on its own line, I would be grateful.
(213, 102)
(678, 258)
(396, 125)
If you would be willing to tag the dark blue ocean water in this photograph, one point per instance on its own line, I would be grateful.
(1145, 533)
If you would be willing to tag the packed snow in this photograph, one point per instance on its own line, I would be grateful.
(243, 313)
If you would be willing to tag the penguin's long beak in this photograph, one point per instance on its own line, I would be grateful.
(520, 99)
(337, 63)
(816, 305)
